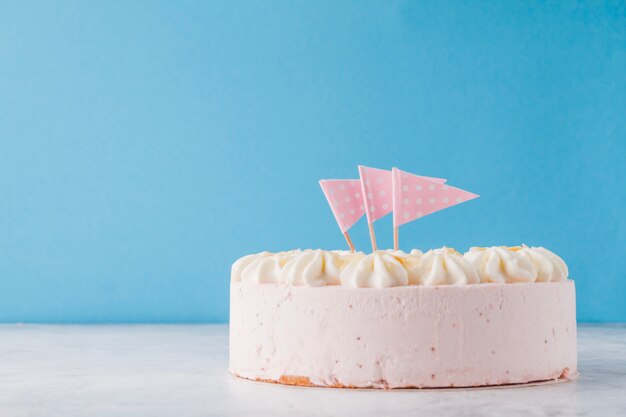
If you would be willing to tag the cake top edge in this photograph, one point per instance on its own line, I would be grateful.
(389, 268)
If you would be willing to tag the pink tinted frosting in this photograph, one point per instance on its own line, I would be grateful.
(408, 336)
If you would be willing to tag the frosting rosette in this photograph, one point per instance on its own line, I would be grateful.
(313, 268)
(446, 266)
(263, 267)
(376, 270)
(412, 262)
(550, 267)
(248, 261)
(501, 264)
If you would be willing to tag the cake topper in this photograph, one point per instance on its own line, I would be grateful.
(415, 197)
(377, 196)
(377, 186)
(379, 192)
(344, 198)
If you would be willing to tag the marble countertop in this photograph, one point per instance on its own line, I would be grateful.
(181, 370)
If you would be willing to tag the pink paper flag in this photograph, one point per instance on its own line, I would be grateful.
(416, 197)
(345, 200)
(377, 186)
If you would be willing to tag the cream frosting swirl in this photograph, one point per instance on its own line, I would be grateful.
(412, 262)
(377, 270)
(263, 267)
(241, 264)
(313, 268)
(501, 264)
(549, 266)
(446, 266)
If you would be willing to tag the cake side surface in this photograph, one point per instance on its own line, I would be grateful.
(401, 337)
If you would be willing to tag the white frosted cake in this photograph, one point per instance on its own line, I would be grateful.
(390, 319)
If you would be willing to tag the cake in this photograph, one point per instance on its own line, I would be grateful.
(390, 319)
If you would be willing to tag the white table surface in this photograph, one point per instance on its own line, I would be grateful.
(172, 370)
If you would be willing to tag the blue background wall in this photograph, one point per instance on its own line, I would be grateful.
(144, 146)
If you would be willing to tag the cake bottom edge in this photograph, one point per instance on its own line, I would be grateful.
(303, 381)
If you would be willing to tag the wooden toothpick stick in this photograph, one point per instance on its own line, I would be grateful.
(347, 236)
(373, 237)
(395, 238)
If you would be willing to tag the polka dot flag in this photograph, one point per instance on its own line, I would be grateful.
(345, 200)
(415, 197)
(377, 187)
